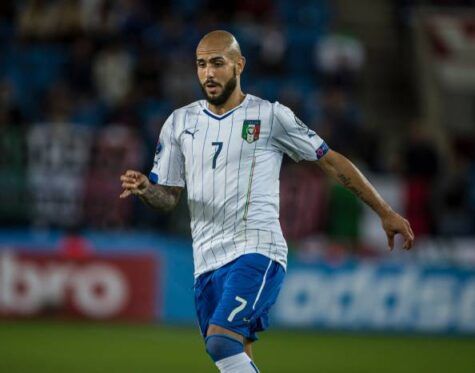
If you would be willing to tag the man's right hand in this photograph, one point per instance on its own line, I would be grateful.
(134, 182)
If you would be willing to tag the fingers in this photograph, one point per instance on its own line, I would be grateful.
(132, 173)
(130, 182)
(129, 176)
(125, 194)
(398, 225)
(410, 230)
(390, 240)
(132, 176)
(408, 236)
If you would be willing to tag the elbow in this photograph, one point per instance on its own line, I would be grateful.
(174, 194)
(170, 207)
(328, 163)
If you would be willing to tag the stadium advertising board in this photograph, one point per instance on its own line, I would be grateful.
(113, 279)
(102, 287)
(372, 296)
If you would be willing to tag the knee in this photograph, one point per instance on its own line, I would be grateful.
(221, 346)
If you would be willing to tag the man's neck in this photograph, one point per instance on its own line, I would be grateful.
(236, 98)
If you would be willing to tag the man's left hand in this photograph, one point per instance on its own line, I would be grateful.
(393, 223)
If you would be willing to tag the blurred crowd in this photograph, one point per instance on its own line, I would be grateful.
(85, 86)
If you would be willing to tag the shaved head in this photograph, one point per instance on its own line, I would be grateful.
(219, 64)
(219, 41)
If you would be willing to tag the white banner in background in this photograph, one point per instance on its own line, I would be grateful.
(378, 297)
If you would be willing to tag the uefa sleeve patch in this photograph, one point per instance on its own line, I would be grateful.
(322, 150)
(153, 177)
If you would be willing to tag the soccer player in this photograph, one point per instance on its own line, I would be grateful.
(227, 150)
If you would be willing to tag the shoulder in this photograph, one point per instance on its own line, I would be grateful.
(190, 108)
(183, 112)
(273, 108)
(254, 101)
(281, 110)
(181, 115)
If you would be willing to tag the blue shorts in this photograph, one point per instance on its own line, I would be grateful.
(239, 295)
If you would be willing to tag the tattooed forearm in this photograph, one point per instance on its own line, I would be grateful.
(161, 197)
(346, 181)
(342, 170)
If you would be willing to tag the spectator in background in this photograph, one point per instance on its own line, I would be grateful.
(421, 158)
(58, 156)
(13, 197)
(302, 204)
(151, 98)
(10, 112)
(79, 66)
(97, 18)
(292, 96)
(112, 17)
(223, 10)
(50, 20)
(340, 116)
(340, 113)
(125, 113)
(58, 103)
(455, 214)
(147, 73)
(113, 67)
(256, 9)
(132, 18)
(180, 79)
(116, 146)
(339, 58)
(420, 167)
(7, 10)
(87, 109)
(38, 19)
(272, 48)
(69, 21)
(167, 34)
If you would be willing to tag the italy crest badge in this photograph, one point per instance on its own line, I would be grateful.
(251, 129)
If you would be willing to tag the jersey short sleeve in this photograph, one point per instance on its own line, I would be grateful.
(169, 163)
(291, 136)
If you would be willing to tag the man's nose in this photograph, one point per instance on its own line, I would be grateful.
(209, 72)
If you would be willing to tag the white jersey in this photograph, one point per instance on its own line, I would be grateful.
(230, 164)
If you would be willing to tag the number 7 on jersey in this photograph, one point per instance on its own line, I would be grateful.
(219, 145)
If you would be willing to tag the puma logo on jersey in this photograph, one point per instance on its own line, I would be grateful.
(188, 132)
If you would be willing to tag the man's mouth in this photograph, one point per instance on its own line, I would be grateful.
(212, 87)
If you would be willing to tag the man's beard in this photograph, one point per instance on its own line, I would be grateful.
(228, 89)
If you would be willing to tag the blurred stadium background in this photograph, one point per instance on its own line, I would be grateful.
(92, 283)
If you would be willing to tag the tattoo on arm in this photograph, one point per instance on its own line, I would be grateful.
(343, 171)
(346, 181)
(162, 197)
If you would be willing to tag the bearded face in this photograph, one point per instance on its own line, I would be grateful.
(217, 93)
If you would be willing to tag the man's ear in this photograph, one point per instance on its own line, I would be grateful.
(240, 65)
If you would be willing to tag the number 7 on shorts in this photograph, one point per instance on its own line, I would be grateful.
(238, 309)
